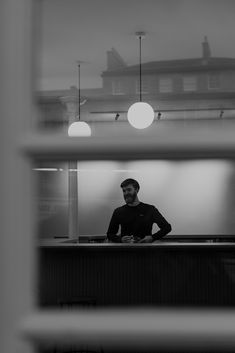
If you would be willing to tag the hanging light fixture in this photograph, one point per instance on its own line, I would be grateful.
(140, 114)
(79, 128)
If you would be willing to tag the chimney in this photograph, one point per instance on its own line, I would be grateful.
(114, 60)
(206, 52)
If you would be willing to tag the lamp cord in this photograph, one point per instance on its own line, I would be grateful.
(79, 93)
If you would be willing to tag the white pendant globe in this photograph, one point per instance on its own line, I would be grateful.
(140, 115)
(79, 128)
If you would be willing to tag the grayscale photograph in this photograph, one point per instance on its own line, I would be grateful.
(118, 176)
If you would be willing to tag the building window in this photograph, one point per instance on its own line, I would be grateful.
(117, 87)
(165, 85)
(213, 81)
(144, 85)
(189, 83)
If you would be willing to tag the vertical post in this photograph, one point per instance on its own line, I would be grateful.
(73, 200)
(18, 271)
(71, 112)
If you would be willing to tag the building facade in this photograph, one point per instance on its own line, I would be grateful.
(200, 88)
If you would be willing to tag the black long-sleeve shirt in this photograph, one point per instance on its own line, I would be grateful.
(137, 221)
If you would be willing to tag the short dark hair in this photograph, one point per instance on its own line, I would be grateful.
(130, 182)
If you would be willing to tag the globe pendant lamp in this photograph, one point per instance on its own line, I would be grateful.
(79, 128)
(140, 114)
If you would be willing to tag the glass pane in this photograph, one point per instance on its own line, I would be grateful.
(89, 69)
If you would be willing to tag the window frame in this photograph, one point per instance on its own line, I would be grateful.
(144, 85)
(117, 87)
(218, 80)
(170, 84)
(188, 86)
(20, 148)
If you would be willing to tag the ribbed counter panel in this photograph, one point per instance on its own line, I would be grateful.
(123, 275)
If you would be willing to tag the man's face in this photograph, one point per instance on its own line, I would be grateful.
(129, 193)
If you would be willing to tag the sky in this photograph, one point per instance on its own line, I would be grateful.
(72, 30)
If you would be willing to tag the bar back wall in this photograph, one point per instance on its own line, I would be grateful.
(197, 197)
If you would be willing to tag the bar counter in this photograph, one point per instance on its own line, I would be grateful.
(157, 244)
(163, 273)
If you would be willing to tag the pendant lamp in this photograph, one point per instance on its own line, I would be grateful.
(140, 114)
(78, 127)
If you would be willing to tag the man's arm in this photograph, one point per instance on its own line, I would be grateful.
(113, 229)
(162, 223)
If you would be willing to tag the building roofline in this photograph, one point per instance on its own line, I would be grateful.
(176, 65)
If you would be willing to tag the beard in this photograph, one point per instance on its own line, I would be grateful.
(130, 198)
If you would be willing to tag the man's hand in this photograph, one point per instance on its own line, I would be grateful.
(127, 239)
(147, 239)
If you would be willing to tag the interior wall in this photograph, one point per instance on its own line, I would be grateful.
(192, 195)
(196, 196)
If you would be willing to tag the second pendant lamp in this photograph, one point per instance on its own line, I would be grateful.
(78, 127)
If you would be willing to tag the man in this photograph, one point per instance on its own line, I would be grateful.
(136, 218)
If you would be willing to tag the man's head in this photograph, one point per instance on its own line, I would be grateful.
(130, 188)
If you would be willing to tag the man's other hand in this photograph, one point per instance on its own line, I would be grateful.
(147, 239)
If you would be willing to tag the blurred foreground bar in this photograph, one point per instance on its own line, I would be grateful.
(168, 143)
(136, 330)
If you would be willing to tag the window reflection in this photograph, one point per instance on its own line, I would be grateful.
(191, 80)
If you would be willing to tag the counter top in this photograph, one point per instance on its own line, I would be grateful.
(157, 244)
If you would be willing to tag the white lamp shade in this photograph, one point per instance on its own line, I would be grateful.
(79, 128)
(140, 115)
